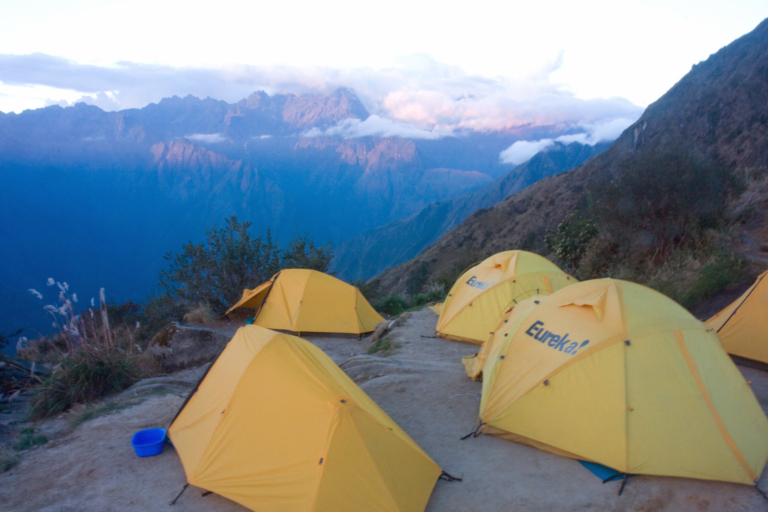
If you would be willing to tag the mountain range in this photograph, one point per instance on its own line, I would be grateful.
(98, 198)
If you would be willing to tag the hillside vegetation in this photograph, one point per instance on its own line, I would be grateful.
(678, 202)
(368, 253)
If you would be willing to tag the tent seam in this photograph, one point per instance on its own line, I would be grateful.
(713, 411)
(331, 432)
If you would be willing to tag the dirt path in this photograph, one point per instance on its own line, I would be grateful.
(422, 386)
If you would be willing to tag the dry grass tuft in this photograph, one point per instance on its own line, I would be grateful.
(201, 315)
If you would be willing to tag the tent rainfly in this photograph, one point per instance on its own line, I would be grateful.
(482, 293)
(303, 300)
(615, 373)
(743, 326)
(276, 426)
(473, 365)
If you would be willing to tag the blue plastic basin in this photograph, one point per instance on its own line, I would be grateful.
(148, 442)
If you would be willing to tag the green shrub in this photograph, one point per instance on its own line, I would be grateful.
(84, 375)
(393, 304)
(724, 271)
(385, 346)
(658, 202)
(216, 272)
(303, 253)
(692, 276)
(570, 240)
(28, 439)
(8, 459)
(435, 293)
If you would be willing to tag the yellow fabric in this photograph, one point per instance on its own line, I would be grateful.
(482, 294)
(252, 298)
(302, 300)
(743, 325)
(671, 402)
(436, 308)
(277, 427)
(473, 365)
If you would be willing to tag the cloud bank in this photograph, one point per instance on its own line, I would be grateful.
(523, 150)
(375, 125)
(207, 138)
(417, 96)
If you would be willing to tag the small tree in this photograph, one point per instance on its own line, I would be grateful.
(570, 239)
(217, 271)
(302, 253)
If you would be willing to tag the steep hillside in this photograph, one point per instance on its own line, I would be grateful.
(718, 110)
(367, 254)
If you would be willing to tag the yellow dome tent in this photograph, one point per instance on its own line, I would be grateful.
(303, 300)
(612, 372)
(485, 291)
(436, 308)
(743, 326)
(473, 365)
(276, 426)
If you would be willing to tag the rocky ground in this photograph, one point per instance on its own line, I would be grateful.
(421, 385)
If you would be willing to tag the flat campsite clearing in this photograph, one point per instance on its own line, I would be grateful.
(422, 386)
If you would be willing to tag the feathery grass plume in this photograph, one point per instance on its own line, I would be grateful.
(105, 317)
(50, 282)
(91, 358)
(21, 343)
(35, 293)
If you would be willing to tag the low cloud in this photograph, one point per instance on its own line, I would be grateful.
(419, 96)
(524, 150)
(599, 132)
(207, 138)
(375, 126)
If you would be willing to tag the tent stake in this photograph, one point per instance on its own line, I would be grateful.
(475, 432)
(179, 495)
(623, 483)
(450, 478)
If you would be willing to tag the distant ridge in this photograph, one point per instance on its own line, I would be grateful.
(719, 110)
(369, 253)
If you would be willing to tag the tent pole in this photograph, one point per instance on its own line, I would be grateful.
(742, 303)
(274, 280)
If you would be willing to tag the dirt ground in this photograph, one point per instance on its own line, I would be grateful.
(422, 386)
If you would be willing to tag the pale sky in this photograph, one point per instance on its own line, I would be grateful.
(437, 65)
